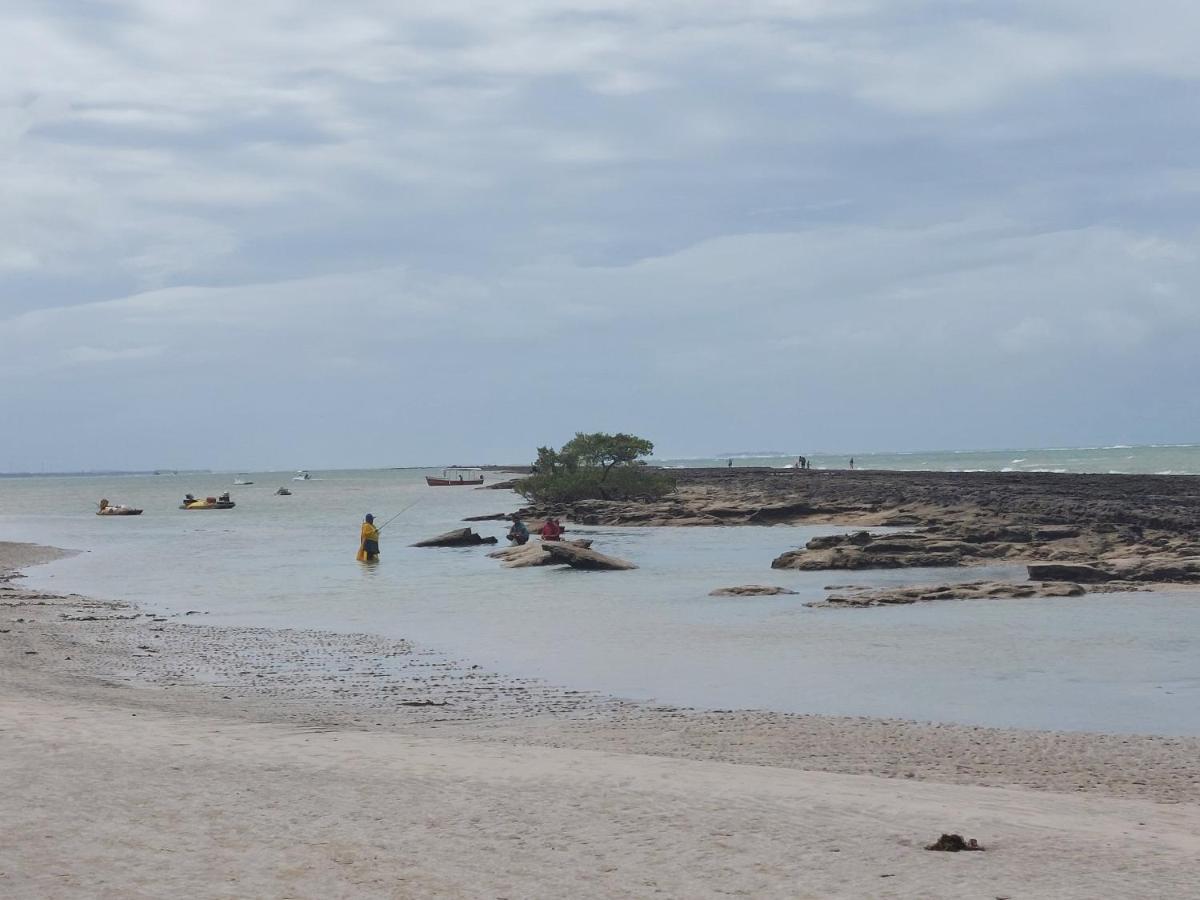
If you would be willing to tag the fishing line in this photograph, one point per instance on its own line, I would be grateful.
(398, 515)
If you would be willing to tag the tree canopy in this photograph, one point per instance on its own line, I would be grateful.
(604, 451)
(595, 466)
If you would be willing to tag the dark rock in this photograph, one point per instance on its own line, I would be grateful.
(1055, 533)
(954, 843)
(1158, 569)
(853, 558)
(828, 541)
(460, 537)
(750, 590)
(974, 590)
(1069, 572)
(779, 512)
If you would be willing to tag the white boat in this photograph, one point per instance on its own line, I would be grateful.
(302, 475)
(108, 509)
(240, 481)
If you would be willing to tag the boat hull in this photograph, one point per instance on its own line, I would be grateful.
(119, 512)
(447, 482)
(203, 505)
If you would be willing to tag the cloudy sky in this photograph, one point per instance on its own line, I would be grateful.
(293, 233)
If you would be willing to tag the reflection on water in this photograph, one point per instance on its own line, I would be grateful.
(1106, 662)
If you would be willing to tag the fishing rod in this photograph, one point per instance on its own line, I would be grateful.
(398, 515)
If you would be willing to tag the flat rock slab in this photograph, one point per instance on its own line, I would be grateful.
(751, 590)
(973, 590)
(532, 554)
(460, 537)
(584, 557)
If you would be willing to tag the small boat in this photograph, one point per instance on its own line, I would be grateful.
(283, 492)
(222, 502)
(238, 482)
(302, 476)
(108, 509)
(456, 476)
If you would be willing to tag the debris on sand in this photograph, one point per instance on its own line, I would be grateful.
(954, 843)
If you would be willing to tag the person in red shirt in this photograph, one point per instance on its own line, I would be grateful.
(552, 530)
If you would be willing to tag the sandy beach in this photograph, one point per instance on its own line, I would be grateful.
(154, 756)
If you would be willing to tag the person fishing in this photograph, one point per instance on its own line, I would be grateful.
(368, 538)
(368, 541)
(519, 532)
(552, 530)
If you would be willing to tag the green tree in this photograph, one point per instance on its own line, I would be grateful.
(595, 466)
(548, 461)
(606, 451)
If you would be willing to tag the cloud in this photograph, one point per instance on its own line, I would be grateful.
(84, 355)
(662, 204)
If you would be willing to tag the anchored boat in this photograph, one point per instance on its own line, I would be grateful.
(222, 502)
(108, 509)
(456, 476)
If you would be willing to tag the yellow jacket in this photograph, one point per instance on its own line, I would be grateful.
(369, 533)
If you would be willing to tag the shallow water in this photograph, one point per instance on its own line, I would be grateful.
(1104, 662)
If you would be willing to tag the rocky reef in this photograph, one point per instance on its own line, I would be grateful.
(1134, 529)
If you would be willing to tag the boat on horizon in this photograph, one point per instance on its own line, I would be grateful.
(456, 476)
(302, 475)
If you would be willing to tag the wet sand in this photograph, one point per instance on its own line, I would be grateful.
(163, 757)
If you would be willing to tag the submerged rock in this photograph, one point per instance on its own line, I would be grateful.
(751, 590)
(973, 590)
(460, 537)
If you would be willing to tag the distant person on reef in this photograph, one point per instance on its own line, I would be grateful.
(518, 533)
(852, 462)
(730, 464)
(552, 530)
(368, 541)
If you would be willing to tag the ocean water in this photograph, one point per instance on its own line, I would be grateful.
(1161, 459)
(1106, 662)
